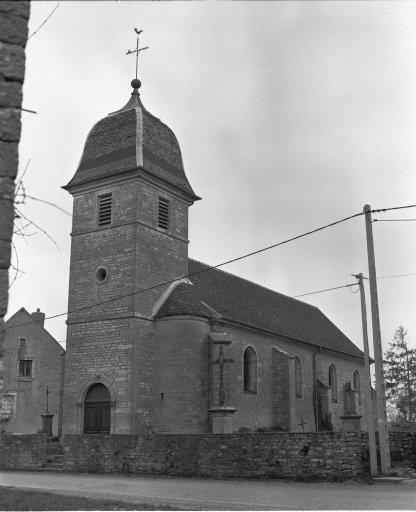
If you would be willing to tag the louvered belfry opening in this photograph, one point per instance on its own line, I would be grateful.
(163, 218)
(104, 209)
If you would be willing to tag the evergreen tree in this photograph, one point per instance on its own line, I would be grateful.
(400, 374)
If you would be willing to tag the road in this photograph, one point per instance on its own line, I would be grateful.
(201, 494)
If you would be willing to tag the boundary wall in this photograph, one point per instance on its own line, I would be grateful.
(306, 456)
(22, 451)
(277, 455)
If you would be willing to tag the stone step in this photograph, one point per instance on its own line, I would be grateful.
(54, 449)
(394, 480)
(53, 466)
(51, 456)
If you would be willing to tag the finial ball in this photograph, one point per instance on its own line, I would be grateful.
(135, 83)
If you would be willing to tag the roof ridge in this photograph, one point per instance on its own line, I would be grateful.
(253, 283)
(33, 322)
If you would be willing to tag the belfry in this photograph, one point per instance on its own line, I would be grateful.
(129, 233)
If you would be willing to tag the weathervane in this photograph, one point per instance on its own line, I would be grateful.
(137, 50)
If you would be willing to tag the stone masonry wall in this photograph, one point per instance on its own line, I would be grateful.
(281, 390)
(181, 398)
(403, 447)
(278, 455)
(22, 451)
(113, 343)
(13, 36)
(259, 410)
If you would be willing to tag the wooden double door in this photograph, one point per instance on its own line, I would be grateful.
(97, 410)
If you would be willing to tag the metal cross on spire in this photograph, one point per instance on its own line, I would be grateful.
(137, 50)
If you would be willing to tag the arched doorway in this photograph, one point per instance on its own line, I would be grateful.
(97, 410)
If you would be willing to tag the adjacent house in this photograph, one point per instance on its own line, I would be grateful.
(33, 373)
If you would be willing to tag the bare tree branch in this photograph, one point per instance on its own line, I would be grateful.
(49, 203)
(15, 268)
(23, 174)
(43, 22)
(37, 226)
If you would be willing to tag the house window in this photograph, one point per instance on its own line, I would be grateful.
(298, 377)
(250, 370)
(163, 217)
(357, 385)
(25, 368)
(104, 209)
(332, 380)
(22, 343)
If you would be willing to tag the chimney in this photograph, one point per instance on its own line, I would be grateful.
(38, 317)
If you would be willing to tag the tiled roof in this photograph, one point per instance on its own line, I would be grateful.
(247, 303)
(132, 139)
(22, 319)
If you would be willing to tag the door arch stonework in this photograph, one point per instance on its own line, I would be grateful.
(87, 384)
(97, 410)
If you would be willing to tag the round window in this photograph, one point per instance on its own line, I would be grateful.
(101, 275)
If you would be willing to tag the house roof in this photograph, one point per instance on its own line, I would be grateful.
(131, 139)
(215, 292)
(23, 318)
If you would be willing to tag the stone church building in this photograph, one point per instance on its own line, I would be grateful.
(160, 343)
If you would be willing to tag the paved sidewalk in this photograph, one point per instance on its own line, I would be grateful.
(201, 494)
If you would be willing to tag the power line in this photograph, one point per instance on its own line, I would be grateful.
(143, 290)
(396, 275)
(393, 208)
(247, 255)
(326, 290)
(393, 220)
(349, 285)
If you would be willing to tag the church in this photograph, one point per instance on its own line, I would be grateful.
(160, 343)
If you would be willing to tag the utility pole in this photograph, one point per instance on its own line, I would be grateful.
(378, 349)
(367, 380)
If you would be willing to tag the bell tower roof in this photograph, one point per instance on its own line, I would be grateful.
(132, 139)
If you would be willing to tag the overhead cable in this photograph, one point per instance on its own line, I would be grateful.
(233, 260)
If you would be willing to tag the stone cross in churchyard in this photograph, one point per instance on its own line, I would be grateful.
(302, 424)
(137, 50)
(47, 417)
(221, 361)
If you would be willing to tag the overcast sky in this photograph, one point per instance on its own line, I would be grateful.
(289, 115)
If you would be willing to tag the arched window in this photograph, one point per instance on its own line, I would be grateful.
(332, 380)
(97, 410)
(298, 377)
(250, 370)
(357, 385)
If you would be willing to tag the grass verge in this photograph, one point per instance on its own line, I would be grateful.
(13, 498)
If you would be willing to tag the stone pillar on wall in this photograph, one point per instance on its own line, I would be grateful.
(13, 36)
(61, 395)
(283, 390)
(221, 411)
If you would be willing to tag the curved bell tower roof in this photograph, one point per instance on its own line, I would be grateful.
(132, 139)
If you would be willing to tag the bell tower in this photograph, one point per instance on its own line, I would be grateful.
(129, 235)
